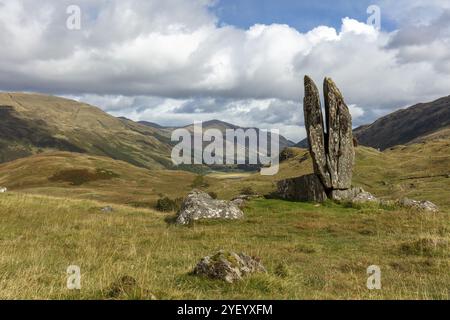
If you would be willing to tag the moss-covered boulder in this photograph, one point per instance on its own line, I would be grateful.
(228, 266)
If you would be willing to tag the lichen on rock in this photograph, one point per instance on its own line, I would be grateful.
(228, 266)
(200, 205)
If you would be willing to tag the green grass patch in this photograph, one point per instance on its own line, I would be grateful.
(77, 177)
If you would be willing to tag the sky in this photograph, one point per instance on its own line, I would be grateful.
(174, 62)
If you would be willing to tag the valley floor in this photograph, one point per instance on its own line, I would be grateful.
(310, 251)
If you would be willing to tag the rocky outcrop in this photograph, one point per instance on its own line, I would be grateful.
(228, 266)
(304, 188)
(331, 147)
(199, 205)
(426, 206)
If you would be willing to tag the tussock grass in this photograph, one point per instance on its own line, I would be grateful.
(310, 251)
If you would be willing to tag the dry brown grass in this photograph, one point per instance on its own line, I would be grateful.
(324, 259)
(127, 184)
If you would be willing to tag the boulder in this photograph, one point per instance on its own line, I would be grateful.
(364, 197)
(426, 206)
(228, 266)
(304, 188)
(107, 209)
(127, 286)
(3, 190)
(199, 205)
(340, 152)
(314, 128)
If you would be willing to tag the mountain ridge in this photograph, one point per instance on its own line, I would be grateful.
(35, 123)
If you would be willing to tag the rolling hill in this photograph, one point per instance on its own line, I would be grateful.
(83, 176)
(32, 123)
(223, 126)
(419, 171)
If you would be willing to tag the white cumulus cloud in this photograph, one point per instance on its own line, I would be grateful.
(171, 62)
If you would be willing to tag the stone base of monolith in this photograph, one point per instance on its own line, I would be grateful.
(304, 188)
(309, 188)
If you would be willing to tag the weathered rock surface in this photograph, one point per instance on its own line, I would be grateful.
(331, 147)
(340, 153)
(355, 195)
(426, 206)
(242, 199)
(365, 197)
(239, 202)
(107, 209)
(228, 266)
(127, 286)
(315, 130)
(345, 195)
(199, 205)
(304, 188)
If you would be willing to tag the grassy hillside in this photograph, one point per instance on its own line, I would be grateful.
(59, 174)
(310, 251)
(419, 171)
(32, 123)
(406, 125)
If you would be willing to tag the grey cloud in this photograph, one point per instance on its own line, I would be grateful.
(413, 34)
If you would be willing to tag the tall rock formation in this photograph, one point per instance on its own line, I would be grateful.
(315, 131)
(339, 148)
(330, 145)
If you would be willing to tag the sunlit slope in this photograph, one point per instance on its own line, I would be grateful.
(92, 177)
(419, 171)
(32, 123)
